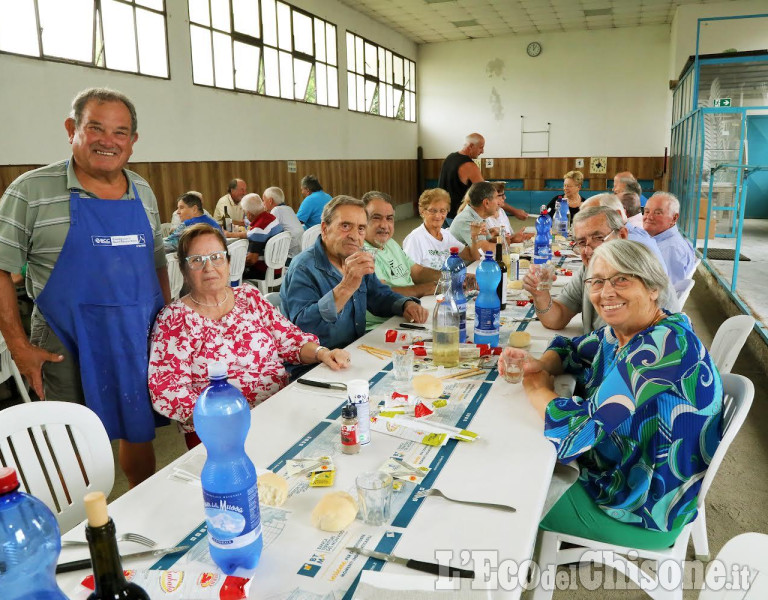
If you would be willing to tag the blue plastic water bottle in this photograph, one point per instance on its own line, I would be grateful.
(565, 215)
(487, 305)
(542, 243)
(30, 544)
(455, 265)
(230, 496)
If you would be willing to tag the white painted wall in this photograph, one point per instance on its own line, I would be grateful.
(182, 122)
(605, 92)
(717, 36)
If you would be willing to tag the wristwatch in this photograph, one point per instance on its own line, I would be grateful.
(317, 352)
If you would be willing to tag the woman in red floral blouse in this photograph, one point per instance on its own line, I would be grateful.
(216, 322)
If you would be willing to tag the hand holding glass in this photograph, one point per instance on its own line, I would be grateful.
(545, 273)
(512, 364)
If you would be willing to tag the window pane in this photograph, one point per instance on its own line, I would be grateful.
(269, 21)
(413, 77)
(319, 40)
(246, 17)
(286, 76)
(321, 83)
(370, 94)
(271, 72)
(397, 103)
(389, 67)
(398, 68)
(351, 91)
(412, 100)
(284, 26)
(333, 87)
(359, 56)
(350, 52)
(202, 59)
(119, 36)
(302, 33)
(390, 98)
(301, 69)
(246, 66)
(222, 60)
(67, 28)
(220, 14)
(18, 28)
(330, 38)
(156, 4)
(360, 85)
(370, 59)
(198, 12)
(382, 65)
(152, 51)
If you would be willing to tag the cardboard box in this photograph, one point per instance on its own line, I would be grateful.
(702, 229)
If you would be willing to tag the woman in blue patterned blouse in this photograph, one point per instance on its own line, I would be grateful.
(649, 420)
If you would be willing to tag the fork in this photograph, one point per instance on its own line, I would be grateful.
(126, 537)
(436, 492)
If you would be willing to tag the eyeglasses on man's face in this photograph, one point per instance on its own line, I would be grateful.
(620, 281)
(197, 262)
(593, 241)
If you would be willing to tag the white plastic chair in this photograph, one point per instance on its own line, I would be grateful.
(175, 278)
(237, 252)
(274, 299)
(9, 369)
(738, 392)
(309, 237)
(52, 466)
(748, 550)
(683, 289)
(275, 256)
(729, 340)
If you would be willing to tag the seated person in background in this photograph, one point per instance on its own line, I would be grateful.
(660, 221)
(572, 182)
(631, 203)
(189, 207)
(218, 322)
(315, 199)
(624, 181)
(274, 202)
(500, 220)
(393, 267)
(330, 285)
(229, 204)
(591, 228)
(482, 203)
(649, 421)
(429, 244)
(263, 226)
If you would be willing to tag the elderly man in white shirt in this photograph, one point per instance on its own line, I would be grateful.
(274, 202)
(660, 221)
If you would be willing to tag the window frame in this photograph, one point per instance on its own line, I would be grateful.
(378, 49)
(98, 22)
(259, 43)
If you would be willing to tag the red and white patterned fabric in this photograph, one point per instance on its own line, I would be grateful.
(254, 339)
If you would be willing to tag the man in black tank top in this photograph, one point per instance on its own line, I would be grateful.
(459, 170)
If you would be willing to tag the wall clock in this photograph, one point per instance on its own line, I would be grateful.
(597, 164)
(533, 49)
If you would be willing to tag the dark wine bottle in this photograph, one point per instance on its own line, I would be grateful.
(501, 290)
(108, 577)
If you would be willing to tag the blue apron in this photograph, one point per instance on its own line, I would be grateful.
(101, 300)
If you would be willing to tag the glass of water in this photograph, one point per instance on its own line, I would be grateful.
(374, 493)
(512, 366)
(402, 365)
(545, 273)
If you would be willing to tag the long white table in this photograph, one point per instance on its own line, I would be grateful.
(511, 463)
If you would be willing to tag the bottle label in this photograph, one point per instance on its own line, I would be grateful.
(487, 320)
(462, 322)
(363, 418)
(349, 435)
(233, 519)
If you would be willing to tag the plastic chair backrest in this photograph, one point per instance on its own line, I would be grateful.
(275, 256)
(61, 452)
(175, 278)
(729, 340)
(237, 252)
(309, 237)
(683, 289)
(748, 550)
(274, 299)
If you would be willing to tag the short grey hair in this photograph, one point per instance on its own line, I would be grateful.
(472, 138)
(673, 204)
(480, 191)
(277, 195)
(252, 203)
(102, 95)
(631, 185)
(631, 202)
(609, 200)
(369, 197)
(311, 183)
(611, 216)
(329, 211)
(632, 258)
(233, 184)
(193, 200)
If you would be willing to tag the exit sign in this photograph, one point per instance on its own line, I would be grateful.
(722, 102)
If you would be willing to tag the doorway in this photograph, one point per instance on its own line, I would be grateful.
(757, 183)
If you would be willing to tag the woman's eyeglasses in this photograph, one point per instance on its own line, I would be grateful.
(437, 211)
(196, 262)
(620, 281)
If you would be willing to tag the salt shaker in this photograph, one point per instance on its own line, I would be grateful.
(350, 444)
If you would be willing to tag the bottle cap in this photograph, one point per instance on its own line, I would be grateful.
(488, 255)
(349, 411)
(9, 481)
(454, 249)
(96, 509)
(217, 369)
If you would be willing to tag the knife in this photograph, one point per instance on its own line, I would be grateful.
(419, 565)
(411, 326)
(85, 563)
(324, 384)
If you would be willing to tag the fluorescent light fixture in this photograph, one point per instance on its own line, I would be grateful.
(598, 12)
(438, 1)
(470, 23)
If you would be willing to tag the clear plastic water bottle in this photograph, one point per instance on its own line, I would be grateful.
(230, 496)
(30, 544)
(542, 243)
(455, 265)
(445, 325)
(487, 305)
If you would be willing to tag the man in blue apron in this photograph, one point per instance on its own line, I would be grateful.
(90, 232)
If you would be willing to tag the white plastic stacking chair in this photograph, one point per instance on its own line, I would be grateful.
(683, 289)
(309, 237)
(275, 256)
(274, 299)
(748, 550)
(61, 452)
(738, 392)
(175, 278)
(9, 369)
(729, 340)
(237, 252)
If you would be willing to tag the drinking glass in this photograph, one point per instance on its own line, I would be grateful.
(470, 289)
(402, 365)
(546, 274)
(374, 493)
(513, 367)
(475, 229)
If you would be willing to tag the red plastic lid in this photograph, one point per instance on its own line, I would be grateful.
(9, 481)
(454, 249)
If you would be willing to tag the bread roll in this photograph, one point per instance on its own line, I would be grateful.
(273, 489)
(334, 512)
(427, 386)
(519, 339)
